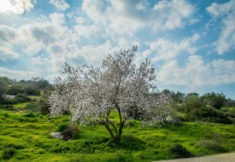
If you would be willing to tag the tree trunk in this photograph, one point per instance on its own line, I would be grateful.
(117, 135)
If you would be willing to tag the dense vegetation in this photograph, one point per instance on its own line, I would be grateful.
(202, 125)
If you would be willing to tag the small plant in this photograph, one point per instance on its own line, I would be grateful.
(44, 106)
(62, 127)
(30, 114)
(68, 131)
(8, 153)
(213, 145)
(179, 151)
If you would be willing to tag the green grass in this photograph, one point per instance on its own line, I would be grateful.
(21, 105)
(36, 97)
(30, 140)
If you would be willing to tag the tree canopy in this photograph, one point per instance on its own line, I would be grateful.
(91, 94)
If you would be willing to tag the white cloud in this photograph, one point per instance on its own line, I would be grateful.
(7, 34)
(55, 41)
(43, 35)
(17, 74)
(6, 54)
(196, 73)
(16, 7)
(86, 30)
(162, 49)
(60, 4)
(95, 54)
(57, 19)
(226, 40)
(128, 16)
(80, 20)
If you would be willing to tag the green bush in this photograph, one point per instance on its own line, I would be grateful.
(68, 131)
(44, 106)
(209, 114)
(214, 99)
(32, 91)
(19, 98)
(10, 108)
(179, 151)
(62, 126)
(213, 145)
(15, 89)
(8, 153)
(71, 132)
(30, 114)
(33, 107)
(6, 101)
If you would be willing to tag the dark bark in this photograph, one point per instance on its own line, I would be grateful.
(115, 133)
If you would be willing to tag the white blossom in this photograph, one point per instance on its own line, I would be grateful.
(92, 93)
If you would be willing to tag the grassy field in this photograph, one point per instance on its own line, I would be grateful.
(26, 137)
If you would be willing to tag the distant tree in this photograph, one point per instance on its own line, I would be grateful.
(15, 89)
(230, 103)
(2, 89)
(214, 99)
(32, 91)
(167, 91)
(36, 83)
(192, 94)
(43, 84)
(44, 104)
(192, 103)
(92, 94)
(179, 97)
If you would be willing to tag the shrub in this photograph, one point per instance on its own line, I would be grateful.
(44, 106)
(30, 114)
(179, 151)
(21, 98)
(15, 89)
(10, 108)
(32, 91)
(33, 107)
(214, 99)
(213, 145)
(209, 114)
(8, 153)
(192, 102)
(68, 131)
(6, 101)
(62, 126)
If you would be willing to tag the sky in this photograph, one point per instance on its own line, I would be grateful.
(191, 43)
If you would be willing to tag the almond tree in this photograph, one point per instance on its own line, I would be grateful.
(91, 94)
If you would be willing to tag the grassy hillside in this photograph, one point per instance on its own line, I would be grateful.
(26, 137)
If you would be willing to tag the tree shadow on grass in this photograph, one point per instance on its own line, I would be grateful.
(129, 142)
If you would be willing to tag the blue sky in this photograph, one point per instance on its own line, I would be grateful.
(191, 43)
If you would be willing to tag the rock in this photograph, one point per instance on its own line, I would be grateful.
(9, 96)
(57, 135)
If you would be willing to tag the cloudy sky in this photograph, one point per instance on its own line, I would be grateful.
(191, 43)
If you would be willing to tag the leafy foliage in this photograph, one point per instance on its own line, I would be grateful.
(71, 131)
(213, 99)
(19, 98)
(8, 153)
